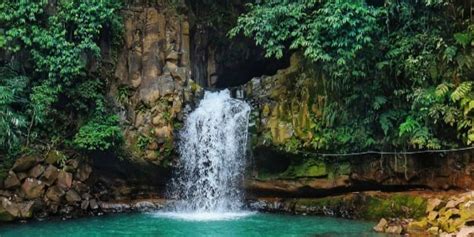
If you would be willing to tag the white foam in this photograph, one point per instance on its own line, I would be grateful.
(204, 216)
(212, 157)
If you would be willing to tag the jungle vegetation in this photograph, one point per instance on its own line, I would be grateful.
(399, 73)
(51, 76)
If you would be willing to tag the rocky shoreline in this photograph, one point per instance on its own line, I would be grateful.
(448, 216)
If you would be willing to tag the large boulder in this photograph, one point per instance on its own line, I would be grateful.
(55, 193)
(24, 163)
(50, 174)
(33, 188)
(64, 179)
(11, 181)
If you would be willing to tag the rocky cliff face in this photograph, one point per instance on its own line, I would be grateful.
(153, 79)
(284, 108)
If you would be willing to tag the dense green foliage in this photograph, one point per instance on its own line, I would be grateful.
(398, 73)
(49, 80)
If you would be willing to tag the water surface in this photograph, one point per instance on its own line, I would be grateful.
(169, 225)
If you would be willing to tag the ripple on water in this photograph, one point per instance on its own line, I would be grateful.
(204, 216)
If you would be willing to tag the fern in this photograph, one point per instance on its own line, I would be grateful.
(443, 89)
(461, 91)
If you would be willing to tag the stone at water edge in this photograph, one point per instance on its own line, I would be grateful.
(26, 209)
(5, 212)
(85, 204)
(33, 188)
(394, 229)
(417, 226)
(93, 204)
(24, 163)
(380, 227)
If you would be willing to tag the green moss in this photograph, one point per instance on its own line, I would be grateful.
(396, 206)
(309, 168)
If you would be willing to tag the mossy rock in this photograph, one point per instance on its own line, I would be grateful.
(307, 169)
(396, 206)
(54, 157)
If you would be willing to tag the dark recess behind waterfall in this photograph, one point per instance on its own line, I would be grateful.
(222, 62)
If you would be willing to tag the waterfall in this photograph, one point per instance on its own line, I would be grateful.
(212, 156)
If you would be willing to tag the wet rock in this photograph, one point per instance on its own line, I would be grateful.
(33, 188)
(93, 204)
(55, 193)
(114, 207)
(380, 227)
(72, 196)
(36, 171)
(26, 209)
(50, 175)
(24, 163)
(85, 204)
(11, 181)
(144, 206)
(163, 132)
(64, 179)
(8, 210)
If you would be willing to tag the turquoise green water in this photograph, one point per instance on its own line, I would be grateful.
(164, 225)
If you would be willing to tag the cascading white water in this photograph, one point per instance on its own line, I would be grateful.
(212, 151)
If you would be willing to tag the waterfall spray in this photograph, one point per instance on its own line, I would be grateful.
(212, 156)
